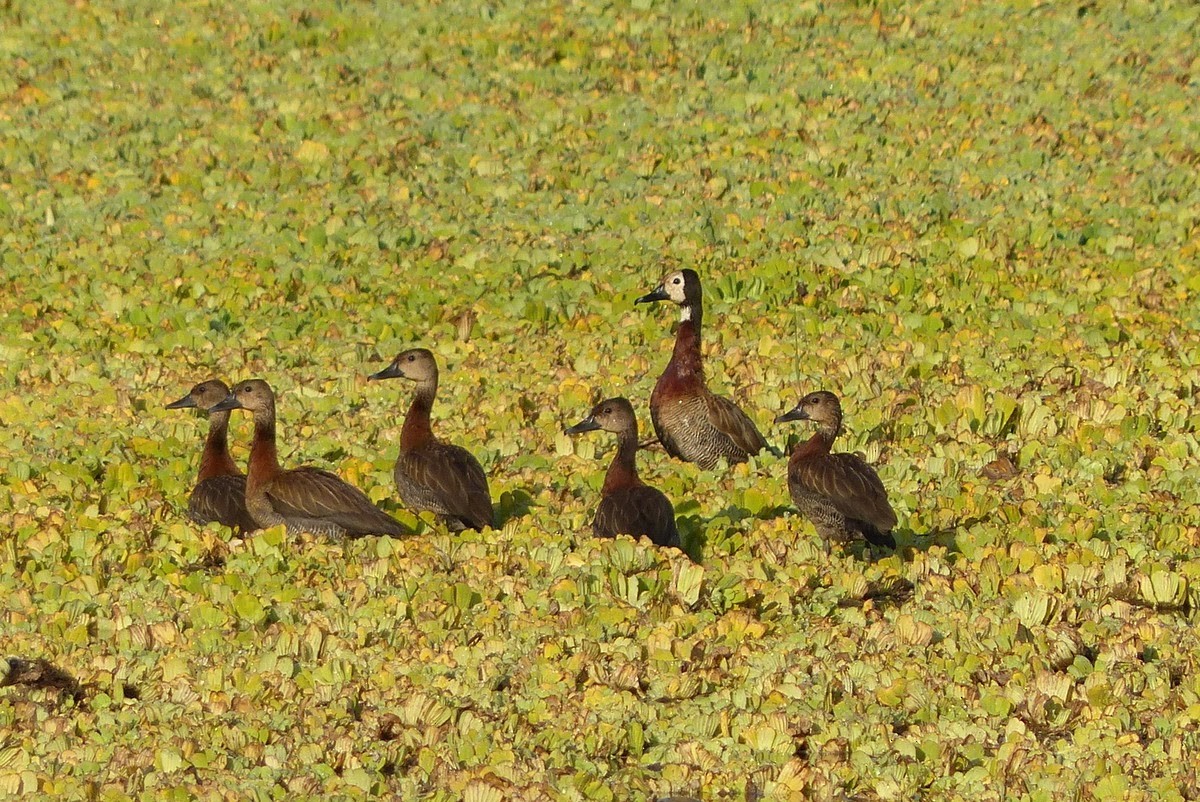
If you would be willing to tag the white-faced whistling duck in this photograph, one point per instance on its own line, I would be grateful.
(220, 492)
(629, 506)
(691, 422)
(306, 499)
(430, 474)
(840, 493)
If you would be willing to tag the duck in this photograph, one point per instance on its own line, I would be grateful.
(839, 493)
(432, 474)
(629, 506)
(220, 491)
(693, 423)
(305, 499)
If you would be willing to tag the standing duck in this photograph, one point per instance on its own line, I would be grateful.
(430, 474)
(306, 499)
(220, 492)
(630, 506)
(692, 423)
(840, 493)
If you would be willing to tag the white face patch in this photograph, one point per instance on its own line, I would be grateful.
(674, 286)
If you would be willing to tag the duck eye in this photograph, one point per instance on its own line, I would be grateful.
(608, 410)
(676, 281)
(412, 357)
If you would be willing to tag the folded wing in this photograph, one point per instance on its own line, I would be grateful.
(457, 484)
(637, 511)
(851, 485)
(221, 499)
(314, 494)
(729, 419)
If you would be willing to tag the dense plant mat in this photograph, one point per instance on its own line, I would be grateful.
(976, 223)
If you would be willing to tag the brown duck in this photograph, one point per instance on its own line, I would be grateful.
(692, 423)
(629, 506)
(431, 474)
(306, 499)
(840, 493)
(220, 492)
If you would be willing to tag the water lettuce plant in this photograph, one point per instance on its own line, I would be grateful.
(977, 223)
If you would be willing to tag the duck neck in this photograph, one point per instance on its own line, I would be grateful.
(686, 363)
(215, 459)
(622, 473)
(417, 430)
(264, 460)
(819, 444)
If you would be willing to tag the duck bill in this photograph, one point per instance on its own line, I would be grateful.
(187, 402)
(659, 293)
(230, 402)
(392, 371)
(588, 424)
(799, 413)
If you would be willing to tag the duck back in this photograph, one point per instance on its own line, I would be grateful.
(221, 498)
(841, 494)
(637, 511)
(447, 480)
(314, 500)
(701, 427)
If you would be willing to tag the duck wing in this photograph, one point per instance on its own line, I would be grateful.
(314, 494)
(221, 499)
(728, 418)
(637, 511)
(449, 480)
(851, 486)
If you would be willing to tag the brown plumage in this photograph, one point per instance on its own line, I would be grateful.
(629, 506)
(431, 474)
(220, 492)
(692, 423)
(840, 493)
(306, 499)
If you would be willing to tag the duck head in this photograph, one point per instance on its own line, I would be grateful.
(681, 287)
(613, 415)
(255, 395)
(204, 395)
(416, 364)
